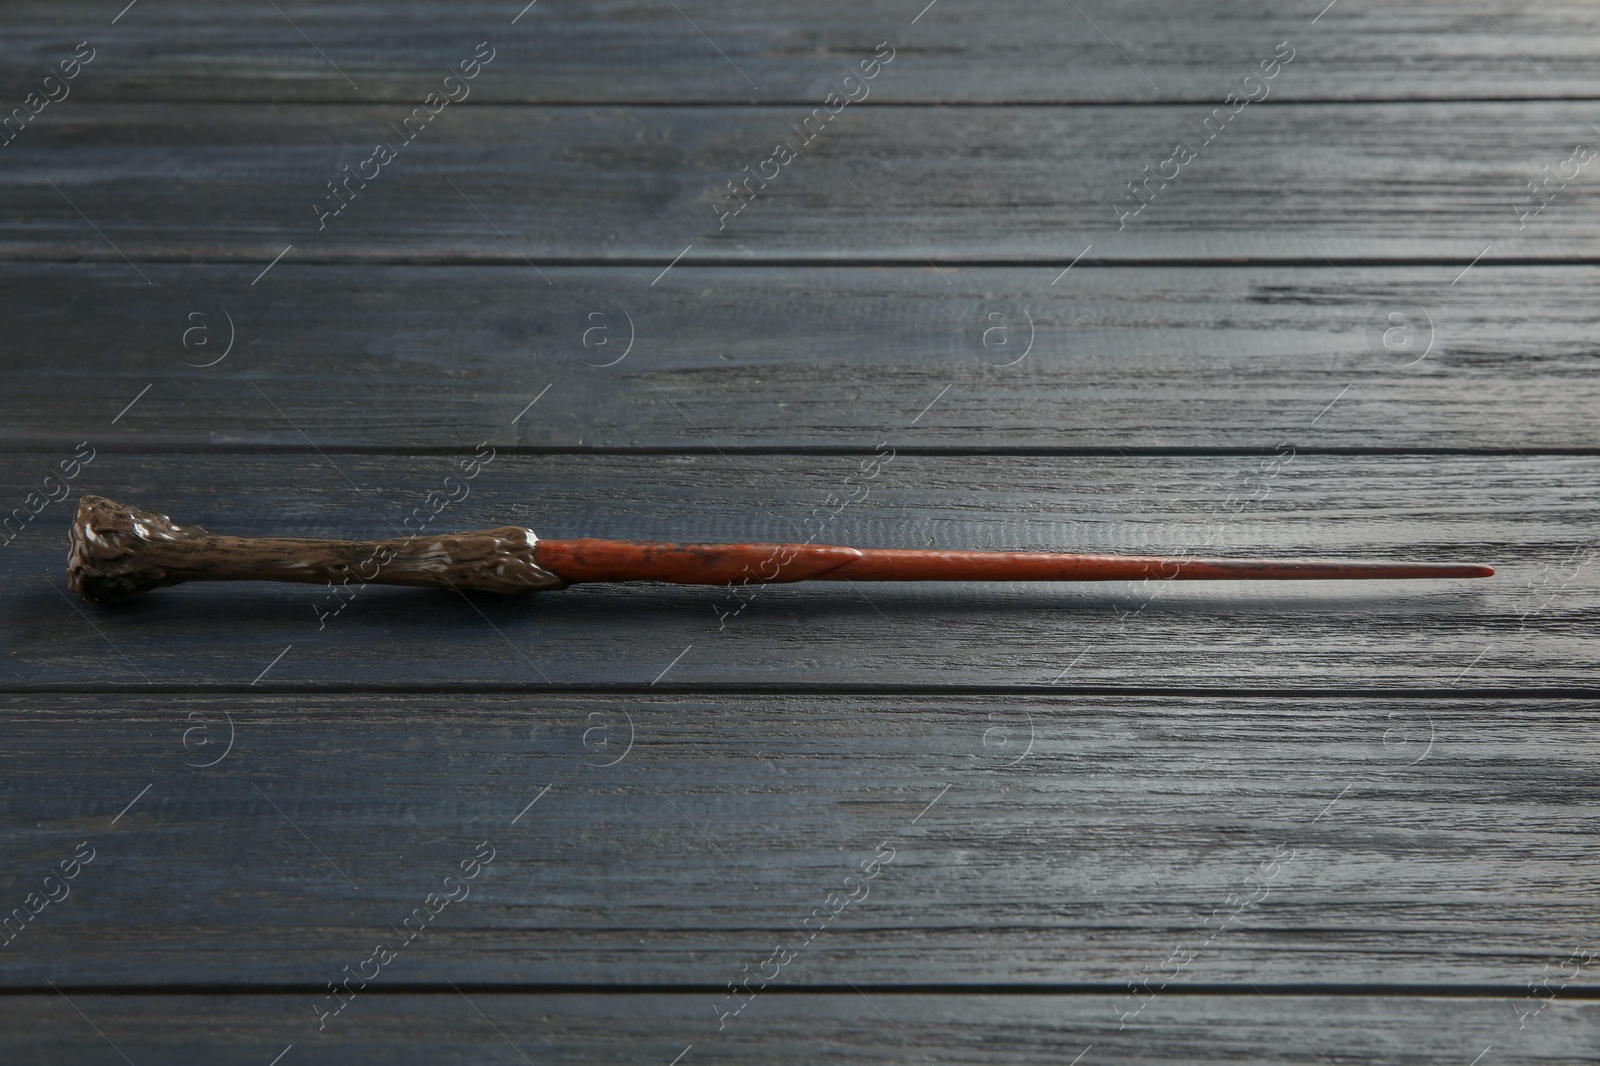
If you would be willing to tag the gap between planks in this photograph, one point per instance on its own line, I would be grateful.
(819, 689)
(518, 262)
(955, 451)
(1431, 991)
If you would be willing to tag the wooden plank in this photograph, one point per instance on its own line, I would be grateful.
(670, 840)
(869, 1027)
(723, 52)
(375, 356)
(1534, 518)
(1029, 184)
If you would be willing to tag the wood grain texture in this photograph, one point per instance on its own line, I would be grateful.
(1027, 184)
(614, 51)
(790, 357)
(1032, 841)
(447, 1028)
(1531, 518)
(1078, 783)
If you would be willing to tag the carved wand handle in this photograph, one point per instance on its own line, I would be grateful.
(119, 552)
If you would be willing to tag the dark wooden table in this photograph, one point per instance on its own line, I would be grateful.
(1095, 824)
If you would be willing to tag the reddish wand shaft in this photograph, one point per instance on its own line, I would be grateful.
(733, 564)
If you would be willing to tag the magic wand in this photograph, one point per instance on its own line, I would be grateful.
(119, 552)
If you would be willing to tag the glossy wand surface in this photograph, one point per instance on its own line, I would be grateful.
(118, 552)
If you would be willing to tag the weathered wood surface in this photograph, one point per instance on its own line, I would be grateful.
(861, 1026)
(1531, 517)
(869, 1026)
(796, 358)
(1067, 800)
(1031, 841)
(627, 52)
(1038, 184)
